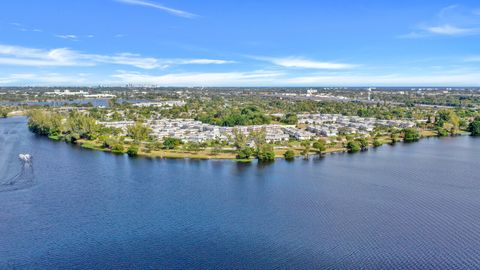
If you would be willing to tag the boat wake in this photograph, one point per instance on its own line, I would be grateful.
(23, 179)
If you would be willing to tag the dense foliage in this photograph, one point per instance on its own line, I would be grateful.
(474, 127)
(411, 135)
(250, 115)
(353, 146)
(139, 132)
(289, 154)
(447, 122)
(171, 143)
(132, 150)
(4, 111)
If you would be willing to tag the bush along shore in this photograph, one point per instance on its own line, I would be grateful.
(82, 129)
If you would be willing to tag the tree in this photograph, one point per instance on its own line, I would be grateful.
(353, 146)
(289, 154)
(4, 112)
(377, 142)
(320, 146)
(442, 132)
(149, 147)
(45, 123)
(133, 150)
(394, 136)
(244, 153)
(157, 146)
(363, 143)
(290, 119)
(239, 139)
(192, 146)
(306, 148)
(259, 138)
(118, 148)
(411, 135)
(266, 153)
(249, 115)
(83, 125)
(448, 120)
(138, 132)
(474, 127)
(171, 143)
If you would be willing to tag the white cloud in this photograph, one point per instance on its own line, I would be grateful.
(44, 79)
(450, 30)
(176, 12)
(22, 56)
(273, 78)
(197, 79)
(304, 63)
(23, 28)
(127, 59)
(412, 35)
(202, 61)
(299, 62)
(68, 37)
(454, 20)
(249, 78)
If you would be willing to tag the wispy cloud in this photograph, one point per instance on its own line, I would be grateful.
(275, 78)
(22, 56)
(73, 37)
(459, 77)
(258, 78)
(202, 61)
(450, 30)
(300, 62)
(44, 79)
(68, 37)
(452, 21)
(24, 28)
(176, 12)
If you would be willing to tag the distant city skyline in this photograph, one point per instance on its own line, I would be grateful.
(247, 43)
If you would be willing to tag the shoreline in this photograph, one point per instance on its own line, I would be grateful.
(229, 153)
(225, 154)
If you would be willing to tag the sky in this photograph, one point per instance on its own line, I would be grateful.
(240, 43)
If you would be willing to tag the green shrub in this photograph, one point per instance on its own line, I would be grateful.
(411, 135)
(133, 150)
(353, 146)
(244, 153)
(289, 154)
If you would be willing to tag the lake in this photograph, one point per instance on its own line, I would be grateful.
(408, 206)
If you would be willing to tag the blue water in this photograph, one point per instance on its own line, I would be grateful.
(408, 206)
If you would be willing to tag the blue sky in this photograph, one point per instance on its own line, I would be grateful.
(240, 43)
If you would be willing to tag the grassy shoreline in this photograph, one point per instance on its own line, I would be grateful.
(223, 154)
